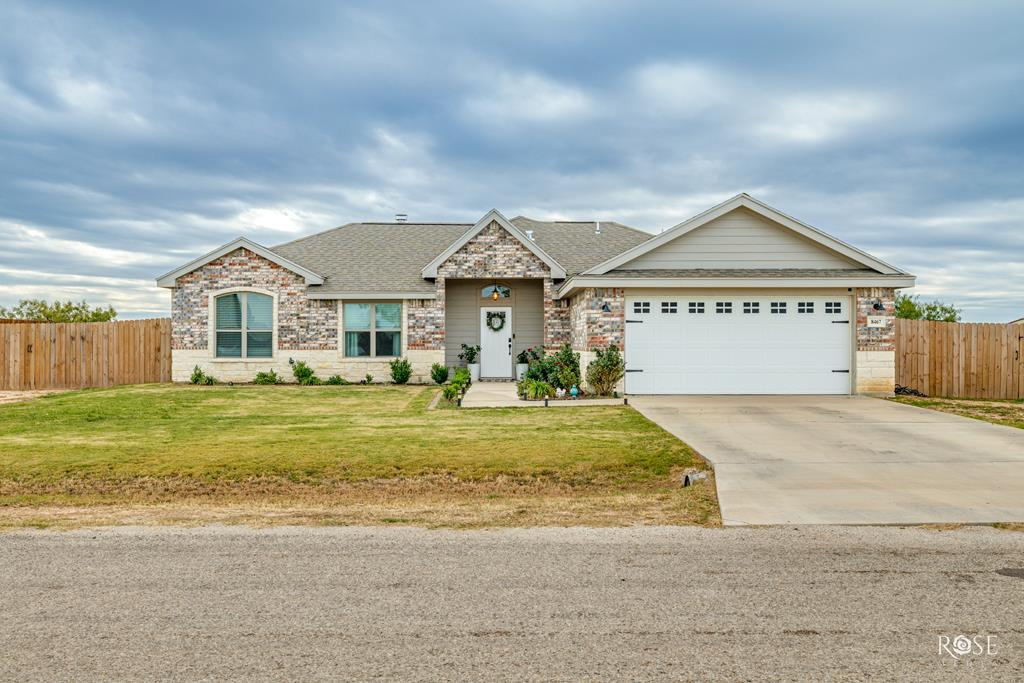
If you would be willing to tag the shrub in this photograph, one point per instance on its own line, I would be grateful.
(401, 370)
(200, 377)
(267, 378)
(336, 380)
(606, 370)
(462, 376)
(523, 357)
(567, 363)
(451, 392)
(470, 354)
(535, 389)
(368, 379)
(439, 373)
(304, 374)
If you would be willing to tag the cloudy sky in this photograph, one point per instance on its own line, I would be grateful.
(136, 136)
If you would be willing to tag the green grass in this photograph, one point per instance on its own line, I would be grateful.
(1009, 412)
(316, 432)
(158, 442)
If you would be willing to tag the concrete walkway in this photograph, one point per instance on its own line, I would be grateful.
(847, 460)
(503, 395)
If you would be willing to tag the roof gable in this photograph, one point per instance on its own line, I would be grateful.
(850, 256)
(494, 216)
(168, 279)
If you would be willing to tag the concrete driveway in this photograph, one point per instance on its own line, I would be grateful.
(847, 459)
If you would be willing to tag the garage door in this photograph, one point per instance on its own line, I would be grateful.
(738, 344)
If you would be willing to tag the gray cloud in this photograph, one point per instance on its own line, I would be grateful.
(133, 137)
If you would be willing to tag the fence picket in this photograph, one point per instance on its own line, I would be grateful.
(974, 360)
(78, 355)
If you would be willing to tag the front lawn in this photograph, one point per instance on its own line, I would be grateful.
(1008, 412)
(348, 454)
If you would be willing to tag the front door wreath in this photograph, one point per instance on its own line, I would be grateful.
(496, 320)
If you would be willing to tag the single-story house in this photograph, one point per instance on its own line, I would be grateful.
(740, 299)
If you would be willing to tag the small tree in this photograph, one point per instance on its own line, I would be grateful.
(57, 312)
(606, 370)
(911, 308)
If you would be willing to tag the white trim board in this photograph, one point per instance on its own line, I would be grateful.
(580, 282)
(746, 201)
(557, 271)
(311, 278)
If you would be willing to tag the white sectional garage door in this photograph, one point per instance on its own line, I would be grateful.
(738, 344)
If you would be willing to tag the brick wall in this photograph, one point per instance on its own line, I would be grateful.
(594, 328)
(876, 338)
(491, 254)
(302, 323)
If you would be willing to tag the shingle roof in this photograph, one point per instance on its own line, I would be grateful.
(373, 256)
(576, 244)
(381, 257)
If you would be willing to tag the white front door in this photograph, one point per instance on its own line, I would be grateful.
(496, 344)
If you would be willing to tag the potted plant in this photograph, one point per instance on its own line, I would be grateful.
(522, 364)
(470, 354)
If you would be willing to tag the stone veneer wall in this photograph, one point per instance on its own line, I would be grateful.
(307, 329)
(302, 323)
(493, 253)
(593, 328)
(876, 346)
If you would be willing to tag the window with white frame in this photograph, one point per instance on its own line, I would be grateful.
(778, 307)
(372, 329)
(244, 323)
(669, 307)
(833, 307)
(805, 307)
(751, 307)
(696, 307)
(641, 306)
(723, 307)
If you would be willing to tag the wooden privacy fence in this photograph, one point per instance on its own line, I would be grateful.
(969, 360)
(78, 355)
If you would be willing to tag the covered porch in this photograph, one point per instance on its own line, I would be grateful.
(503, 316)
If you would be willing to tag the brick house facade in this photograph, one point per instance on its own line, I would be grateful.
(578, 305)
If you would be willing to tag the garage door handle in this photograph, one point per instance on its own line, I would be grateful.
(840, 371)
(634, 321)
(840, 322)
(634, 370)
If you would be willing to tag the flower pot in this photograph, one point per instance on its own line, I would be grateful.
(521, 369)
(474, 372)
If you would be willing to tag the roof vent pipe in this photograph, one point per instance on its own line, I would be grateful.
(529, 235)
(401, 217)
(597, 228)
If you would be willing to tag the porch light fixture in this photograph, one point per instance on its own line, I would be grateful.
(878, 306)
(494, 291)
(605, 308)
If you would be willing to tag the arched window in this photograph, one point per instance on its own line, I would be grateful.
(245, 325)
(489, 291)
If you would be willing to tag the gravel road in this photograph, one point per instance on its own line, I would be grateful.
(229, 603)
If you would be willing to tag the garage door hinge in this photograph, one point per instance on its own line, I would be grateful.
(634, 321)
(840, 371)
(634, 370)
(840, 322)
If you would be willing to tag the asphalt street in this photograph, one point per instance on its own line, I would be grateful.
(231, 603)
